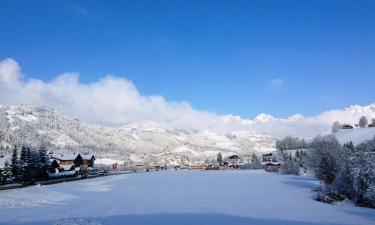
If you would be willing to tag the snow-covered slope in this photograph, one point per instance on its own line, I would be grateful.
(177, 198)
(36, 126)
(357, 135)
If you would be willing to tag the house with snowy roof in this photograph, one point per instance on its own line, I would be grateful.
(88, 160)
(75, 159)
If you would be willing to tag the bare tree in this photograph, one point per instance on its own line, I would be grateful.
(363, 122)
(336, 126)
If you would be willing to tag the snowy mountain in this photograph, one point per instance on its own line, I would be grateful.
(148, 141)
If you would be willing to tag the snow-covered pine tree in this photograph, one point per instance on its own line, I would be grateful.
(34, 165)
(297, 155)
(23, 165)
(219, 158)
(304, 144)
(6, 174)
(15, 163)
(43, 162)
(350, 146)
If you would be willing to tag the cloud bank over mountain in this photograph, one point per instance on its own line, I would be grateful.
(115, 101)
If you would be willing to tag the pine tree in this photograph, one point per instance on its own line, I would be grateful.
(6, 174)
(304, 144)
(14, 163)
(43, 163)
(219, 158)
(297, 155)
(350, 146)
(23, 172)
(1, 176)
(33, 168)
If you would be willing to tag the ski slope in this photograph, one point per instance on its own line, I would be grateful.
(179, 197)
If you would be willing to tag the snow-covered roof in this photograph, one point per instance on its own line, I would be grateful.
(87, 157)
(4, 159)
(65, 156)
(67, 167)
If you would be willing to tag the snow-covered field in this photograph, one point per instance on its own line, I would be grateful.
(357, 136)
(179, 197)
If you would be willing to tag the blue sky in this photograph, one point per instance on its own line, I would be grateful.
(238, 57)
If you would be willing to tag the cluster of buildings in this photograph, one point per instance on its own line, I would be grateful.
(231, 162)
(272, 161)
(70, 163)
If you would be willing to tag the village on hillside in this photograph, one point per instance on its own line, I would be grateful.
(20, 167)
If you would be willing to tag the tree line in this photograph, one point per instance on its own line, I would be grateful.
(291, 143)
(362, 123)
(346, 171)
(26, 166)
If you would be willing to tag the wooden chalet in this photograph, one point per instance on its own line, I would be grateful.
(75, 159)
(269, 157)
(234, 158)
(347, 126)
(272, 166)
(88, 160)
(198, 167)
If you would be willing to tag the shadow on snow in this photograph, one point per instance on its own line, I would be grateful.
(174, 219)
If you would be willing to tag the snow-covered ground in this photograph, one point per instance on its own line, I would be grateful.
(357, 136)
(106, 161)
(179, 197)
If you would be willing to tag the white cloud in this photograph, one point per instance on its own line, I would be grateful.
(277, 82)
(115, 101)
(9, 72)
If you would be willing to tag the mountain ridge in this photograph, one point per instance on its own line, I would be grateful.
(36, 125)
